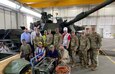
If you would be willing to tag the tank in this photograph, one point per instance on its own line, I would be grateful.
(48, 24)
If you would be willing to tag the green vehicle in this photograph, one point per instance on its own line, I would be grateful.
(19, 66)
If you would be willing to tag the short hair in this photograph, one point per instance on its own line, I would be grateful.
(87, 28)
(23, 40)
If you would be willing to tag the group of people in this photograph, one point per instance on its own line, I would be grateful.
(62, 47)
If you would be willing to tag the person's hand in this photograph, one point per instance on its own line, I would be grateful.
(39, 59)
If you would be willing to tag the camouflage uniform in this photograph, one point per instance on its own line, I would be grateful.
(36, 40)
(49, 39)
(57, 40)
(84, 45)
(73, 48)
(89, 50)
(44, 40)
(95, 40)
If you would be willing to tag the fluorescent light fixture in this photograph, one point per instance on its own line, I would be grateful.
(9, 4)
(23, 9)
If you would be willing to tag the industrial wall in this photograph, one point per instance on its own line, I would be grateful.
(10, 19)
(103, 19)
(7, 19)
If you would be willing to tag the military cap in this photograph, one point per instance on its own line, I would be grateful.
(51, 46)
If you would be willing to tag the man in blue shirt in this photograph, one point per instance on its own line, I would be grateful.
(53, 54)
(26, 35)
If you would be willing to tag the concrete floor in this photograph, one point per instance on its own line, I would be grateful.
(106, 63)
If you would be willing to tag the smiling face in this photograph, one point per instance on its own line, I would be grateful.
(72, 33)
(57, 30)
(52, 48)
(87, 30)
(45, 32)
(49, 31)
(65, 29)
(24, 42)
(82, 33)
(92, 30)
(26, 30)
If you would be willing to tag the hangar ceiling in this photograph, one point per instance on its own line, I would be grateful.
(58, 3)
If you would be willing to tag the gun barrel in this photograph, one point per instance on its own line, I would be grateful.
(85, 14)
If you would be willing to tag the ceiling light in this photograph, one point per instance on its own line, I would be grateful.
(23, 9)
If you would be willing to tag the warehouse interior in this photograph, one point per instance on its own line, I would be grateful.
(15, 14)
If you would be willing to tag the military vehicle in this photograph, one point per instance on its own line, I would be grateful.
(61, 24)
(48, 24)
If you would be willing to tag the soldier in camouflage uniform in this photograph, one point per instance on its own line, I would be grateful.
(88, 52)
(57, 38)
(37, 39)
(49, 39)
(44, 38)
(84, 45)
(73, 47)
(95, 40)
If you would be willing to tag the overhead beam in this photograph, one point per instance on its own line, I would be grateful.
(34, 1)
(62, 3)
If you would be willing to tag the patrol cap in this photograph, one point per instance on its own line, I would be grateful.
(65, 29)
(51, 46)
(45, 30)
(81, 31)
(23, 40)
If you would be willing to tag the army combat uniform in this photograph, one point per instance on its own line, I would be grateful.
(57, 40)
(36, 40)
(89, 50)
(95, 40)
(73, 48)
(44, 38)
(84, 45)
(49, 39)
